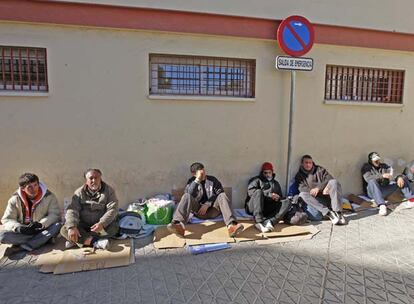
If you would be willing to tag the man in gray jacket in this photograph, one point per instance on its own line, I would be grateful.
(377, 181)
(320, 190)
(92, 216)
(407, 177)
(32, 215)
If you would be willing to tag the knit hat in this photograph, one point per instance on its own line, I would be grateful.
(267, 166)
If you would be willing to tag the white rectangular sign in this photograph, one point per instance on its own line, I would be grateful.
(294, 63)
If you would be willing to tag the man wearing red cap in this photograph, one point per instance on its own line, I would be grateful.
(265, 200)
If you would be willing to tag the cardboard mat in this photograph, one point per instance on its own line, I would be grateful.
(83, 259)
(216, 232)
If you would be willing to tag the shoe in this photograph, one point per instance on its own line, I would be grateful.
(382, 210)
(342, 220)
(262, 228)
(26, 247)
(69, 244)
(333, 217)
(269, 225)
(234, 229)
(101, 244)
(176, 228)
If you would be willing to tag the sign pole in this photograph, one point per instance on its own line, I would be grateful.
(291, 112)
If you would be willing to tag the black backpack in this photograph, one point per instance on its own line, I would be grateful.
(296, 214)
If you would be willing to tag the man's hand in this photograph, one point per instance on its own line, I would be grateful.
(73, 234)
(98, 227)
(314, 192)
(275, 196)
(400, 182)
(30, 229)
(203, 209)
(387, 175)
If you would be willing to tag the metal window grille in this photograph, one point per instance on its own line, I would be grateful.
(23, 69)
(202, 76)
(363, 84)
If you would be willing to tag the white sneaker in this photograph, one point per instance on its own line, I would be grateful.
(269, 225)
(101, 244)
(382, 210)
(261, 228)
(333, 217)
(69, 244)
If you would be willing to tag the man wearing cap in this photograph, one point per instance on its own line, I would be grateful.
(205, 197)
(92, 216)
(407, 177)
(32, 215)
(265, 200)
(320, 190)
(376, 181)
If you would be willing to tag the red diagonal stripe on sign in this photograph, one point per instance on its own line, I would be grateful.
(296, 35)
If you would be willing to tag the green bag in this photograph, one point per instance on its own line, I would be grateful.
(159, 212)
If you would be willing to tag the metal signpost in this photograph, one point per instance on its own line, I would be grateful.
(295, 36)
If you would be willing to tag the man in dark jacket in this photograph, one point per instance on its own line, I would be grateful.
(319, 189)
(205, 197)
(265, 200)
(92, 216)
(376, 181)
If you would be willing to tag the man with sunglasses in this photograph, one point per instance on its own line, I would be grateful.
(265, 200)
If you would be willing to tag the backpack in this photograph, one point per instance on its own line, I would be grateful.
(296, 214)
(130, 222)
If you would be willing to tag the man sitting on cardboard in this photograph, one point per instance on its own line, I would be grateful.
(92, 216)
(32, 215)
(265, 200)
(376, 181)
(205, 197)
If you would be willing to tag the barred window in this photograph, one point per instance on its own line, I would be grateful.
(202, 76)
(23, 69)
(364, 84)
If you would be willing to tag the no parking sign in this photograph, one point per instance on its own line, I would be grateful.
(295, 36)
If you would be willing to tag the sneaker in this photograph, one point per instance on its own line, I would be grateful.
(101, 244)
(262, 228)
(269, 225)
(234, 229)
(176, 228)
(69, 244)
(333, 217)
(342, 220)
(382, 210)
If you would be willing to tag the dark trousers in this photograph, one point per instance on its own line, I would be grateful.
(264, 208)
(86, 232)
(32, 241)
(188, 204)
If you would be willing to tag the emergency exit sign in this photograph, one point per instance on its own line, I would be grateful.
(294, 63)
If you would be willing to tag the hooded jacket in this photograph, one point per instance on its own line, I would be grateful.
(45, 210)
(260, 182)
(87, 210)
(370, 172)
(212, 186)
(317, 177)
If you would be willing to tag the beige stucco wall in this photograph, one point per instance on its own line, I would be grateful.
(371, 14)
(98, 115)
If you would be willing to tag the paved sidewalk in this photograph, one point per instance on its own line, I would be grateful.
(371, 260)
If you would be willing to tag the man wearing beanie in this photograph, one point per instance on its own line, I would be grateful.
(376, 181)
(205, 197)
(320, 190)
(265, 200)
(32, 215)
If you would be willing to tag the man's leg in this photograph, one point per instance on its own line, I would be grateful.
(223, 204)
(407, 190)
(282, 208)
(42, 237)
(311, 201)
(111, 230)
(256, 205)
(186, 205)
(13, 238)
(81, 240)
(374, 192)
(335, 193)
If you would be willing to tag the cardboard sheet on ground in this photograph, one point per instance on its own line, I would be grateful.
(207, 233)
(83, 259)
(164, 239)
(312, 230)
(3, 248)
